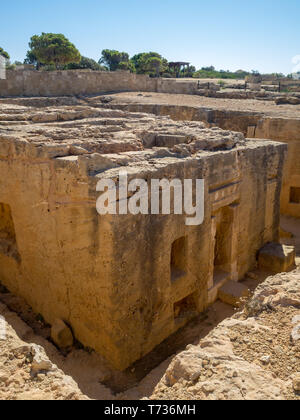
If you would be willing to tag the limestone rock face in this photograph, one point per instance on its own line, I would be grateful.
(246, 357)
(124, 283)
(278, 291)
(277, 258)
(213, 371)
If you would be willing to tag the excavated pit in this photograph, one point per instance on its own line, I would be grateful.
(120, 382)
(61, 151)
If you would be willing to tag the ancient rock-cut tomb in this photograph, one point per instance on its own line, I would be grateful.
(124, 283)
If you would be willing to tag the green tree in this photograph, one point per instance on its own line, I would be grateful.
(31, 58)
(208, 73)
(211, 68)
(86, 63)
(127, 65)
(137, 61)
(4, 54)
(154, 66)
(188, 71)
(113, 58)
(53, 49)
(150, 63)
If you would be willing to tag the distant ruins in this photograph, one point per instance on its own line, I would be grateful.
(125, 283)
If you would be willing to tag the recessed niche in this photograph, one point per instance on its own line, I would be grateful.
(178, 258)
(295, 195)
(8, 242)
(186, 308)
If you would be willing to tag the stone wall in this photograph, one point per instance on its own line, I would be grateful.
(72, 82)
(183, 87)
(287, 131)
(81, 82)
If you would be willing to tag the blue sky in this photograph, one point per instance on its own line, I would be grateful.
(229, 34)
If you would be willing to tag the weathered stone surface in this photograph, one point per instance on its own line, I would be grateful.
(33, 83)
(61, 334)
(296, 383)
(277, 258)
(40, 361)
(282, 290)
(26, 371)
(232, 293)
(245, 357)
(254, 118)
(295, 336)
(296, 319)
(114, 279)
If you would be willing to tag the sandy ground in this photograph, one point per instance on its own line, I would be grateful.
(243, 105)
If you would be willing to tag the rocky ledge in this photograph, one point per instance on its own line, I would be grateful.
(252, 356)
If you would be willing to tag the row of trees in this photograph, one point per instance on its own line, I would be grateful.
(150, 63)
(212, 73)
(55, 51)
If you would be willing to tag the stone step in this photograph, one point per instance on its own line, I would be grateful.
(220, 278)
(232, 292)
